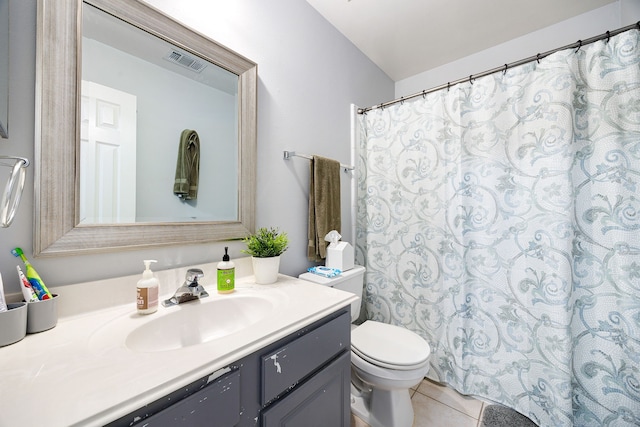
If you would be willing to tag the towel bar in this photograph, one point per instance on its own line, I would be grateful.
(289, 154)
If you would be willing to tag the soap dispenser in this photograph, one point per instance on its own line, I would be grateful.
(147, 295)
(226, 274)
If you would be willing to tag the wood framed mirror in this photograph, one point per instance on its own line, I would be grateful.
(59, 228)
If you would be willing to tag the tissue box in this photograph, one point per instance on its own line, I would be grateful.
(340, 256)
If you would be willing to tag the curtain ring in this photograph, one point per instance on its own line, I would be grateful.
(538, 58)
(381, 107)
(608, 36)
(402, 100)
(470, 81)
(506, 66)
(579, 46)
(424, 94)
(448, 86)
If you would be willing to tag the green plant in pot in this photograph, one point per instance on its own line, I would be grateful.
(265, 247)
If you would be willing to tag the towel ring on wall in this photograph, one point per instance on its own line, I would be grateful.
(13, 190)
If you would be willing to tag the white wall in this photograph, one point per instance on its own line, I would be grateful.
(590, 24)
(309, 74)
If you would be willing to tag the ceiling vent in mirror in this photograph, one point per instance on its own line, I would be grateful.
(185, 60)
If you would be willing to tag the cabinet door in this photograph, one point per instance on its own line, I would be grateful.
(321, 401)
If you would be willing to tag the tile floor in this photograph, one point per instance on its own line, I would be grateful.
(439, 406)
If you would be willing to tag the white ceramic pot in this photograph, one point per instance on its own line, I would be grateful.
(266, 270)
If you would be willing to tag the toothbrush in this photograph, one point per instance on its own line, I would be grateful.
(34, 279)
(27, 290)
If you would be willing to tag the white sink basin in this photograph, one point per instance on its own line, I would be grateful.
(188, 324)
(198, 322)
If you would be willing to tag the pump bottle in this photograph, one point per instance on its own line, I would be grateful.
(226, 274)
(147, 295)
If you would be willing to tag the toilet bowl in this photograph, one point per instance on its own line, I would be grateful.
(386, 360)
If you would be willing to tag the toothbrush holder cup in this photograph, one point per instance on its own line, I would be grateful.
(13, 323)
(43, 315)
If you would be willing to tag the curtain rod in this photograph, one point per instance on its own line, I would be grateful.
(577, 45)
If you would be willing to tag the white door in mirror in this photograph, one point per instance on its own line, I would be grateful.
(107, 155)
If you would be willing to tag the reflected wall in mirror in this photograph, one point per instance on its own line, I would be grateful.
(138, 94)
(4, 68)
(106, 152)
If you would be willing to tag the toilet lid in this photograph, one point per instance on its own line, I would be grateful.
(389, 346)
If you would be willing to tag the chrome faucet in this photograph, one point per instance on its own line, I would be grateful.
(190, 289)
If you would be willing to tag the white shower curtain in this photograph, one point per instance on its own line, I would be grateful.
(500, 220)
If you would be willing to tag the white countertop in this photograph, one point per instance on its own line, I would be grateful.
(82, 373)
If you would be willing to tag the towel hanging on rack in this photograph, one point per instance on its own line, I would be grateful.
(324, 204)
(185, 185)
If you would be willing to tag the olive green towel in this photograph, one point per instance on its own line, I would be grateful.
(185, 185)
(324, 205)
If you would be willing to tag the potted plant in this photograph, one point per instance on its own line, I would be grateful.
(265, 247)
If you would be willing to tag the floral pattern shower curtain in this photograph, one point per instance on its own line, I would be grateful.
(500, 220)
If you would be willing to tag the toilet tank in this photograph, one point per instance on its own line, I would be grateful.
(349, 281)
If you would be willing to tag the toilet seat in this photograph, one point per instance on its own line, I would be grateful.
(390, 346)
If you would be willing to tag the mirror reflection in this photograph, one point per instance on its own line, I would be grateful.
(150, 114)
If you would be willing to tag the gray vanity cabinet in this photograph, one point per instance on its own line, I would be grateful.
(302, 380)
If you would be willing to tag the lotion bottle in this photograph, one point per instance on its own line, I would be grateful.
(147, 290)
(226, 274)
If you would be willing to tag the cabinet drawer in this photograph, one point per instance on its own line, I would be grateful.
(214, 399)
(291, 363)
(216, 405)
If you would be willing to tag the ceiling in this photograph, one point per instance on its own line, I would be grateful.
(407, 37)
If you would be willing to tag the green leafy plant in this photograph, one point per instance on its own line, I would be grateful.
(266, 242)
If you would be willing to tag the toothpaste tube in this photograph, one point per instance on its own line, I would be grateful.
(3, 304)
(27, 290)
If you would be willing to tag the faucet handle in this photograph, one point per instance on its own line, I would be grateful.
(193, 275)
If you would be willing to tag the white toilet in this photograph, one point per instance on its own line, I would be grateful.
(386, 360)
